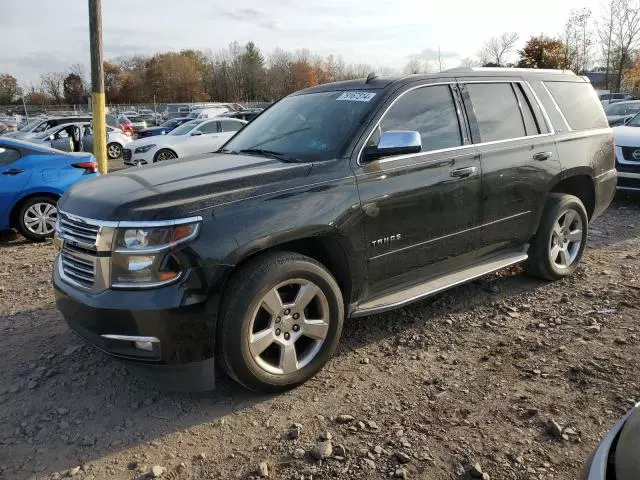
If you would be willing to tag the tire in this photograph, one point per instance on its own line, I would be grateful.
(35, 218)
(268, 365)
(555, 252)
(164, 154)
(114, 150)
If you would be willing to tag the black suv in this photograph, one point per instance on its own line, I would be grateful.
(342, 200)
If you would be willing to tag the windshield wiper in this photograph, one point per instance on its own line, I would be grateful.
(270, 153)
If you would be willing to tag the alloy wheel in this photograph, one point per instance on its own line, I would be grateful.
(289, 326)
(114, 150)
(566, 239)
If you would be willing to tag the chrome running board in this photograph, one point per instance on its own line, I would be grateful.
(394, 300)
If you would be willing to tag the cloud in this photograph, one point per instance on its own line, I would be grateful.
(431, 55)
(245, 14)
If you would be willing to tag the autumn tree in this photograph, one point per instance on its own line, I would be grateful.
(619, 32)
(496, 50)
(52, 85)
(9, 88)
(543, 52)
(577, 40)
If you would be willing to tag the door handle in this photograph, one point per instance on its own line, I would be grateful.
(463, 172)
(541, 156)
(13, 171)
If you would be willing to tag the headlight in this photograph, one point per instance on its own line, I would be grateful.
(143, 256)
(144, 149)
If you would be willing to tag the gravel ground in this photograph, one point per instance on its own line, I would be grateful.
(508, 377)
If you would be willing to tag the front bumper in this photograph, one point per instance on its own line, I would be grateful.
(628, 170)
(179, 325)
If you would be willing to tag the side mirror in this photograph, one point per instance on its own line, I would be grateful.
(196, 133)
(63, 144)
(395, 142)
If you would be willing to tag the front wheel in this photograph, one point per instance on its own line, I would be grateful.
(561, 238)
(281, 321)
(164, 154)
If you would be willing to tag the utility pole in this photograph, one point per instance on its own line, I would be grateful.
(97, 85)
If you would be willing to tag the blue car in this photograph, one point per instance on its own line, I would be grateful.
(32, 178)
(163, 129)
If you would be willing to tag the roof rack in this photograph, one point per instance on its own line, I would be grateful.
(508, 69)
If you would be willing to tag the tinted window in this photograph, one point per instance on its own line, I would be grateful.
(207, 128)
(8, 155)
(429, 111)
(497, 111)
(530, 124)
(230, 126)
(579, 104)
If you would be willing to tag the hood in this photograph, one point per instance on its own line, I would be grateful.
(154, 130)
(179, 188)
(627, 136)
(155, 140)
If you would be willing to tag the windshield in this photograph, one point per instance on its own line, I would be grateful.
(634, 122)
(29, 126)
(170, 123)
(186, 127)
(622, 109)
(311, 127)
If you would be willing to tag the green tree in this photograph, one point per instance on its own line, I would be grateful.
(543, 52)
(74, 91)
(252, 67)
(9, 89)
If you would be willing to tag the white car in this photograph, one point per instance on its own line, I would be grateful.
(191, 138)
(627, 139)
(116, 141)
(61, 135)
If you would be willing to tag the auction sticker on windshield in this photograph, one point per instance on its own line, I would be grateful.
(356, 96)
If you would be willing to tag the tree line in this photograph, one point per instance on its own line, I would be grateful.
(237, 74)
(607, 42)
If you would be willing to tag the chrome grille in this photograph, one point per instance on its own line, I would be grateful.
(77, 231)
(79, 270)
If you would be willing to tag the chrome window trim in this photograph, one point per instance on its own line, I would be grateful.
(555, 104)
(132, 223)
(450, 235)
(546, 118)
(545, 115)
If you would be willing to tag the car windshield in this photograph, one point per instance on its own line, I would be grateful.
(622, 108)
(186, 127)
(634, 122)
(170, 123)
(311, 127)
(29, 126)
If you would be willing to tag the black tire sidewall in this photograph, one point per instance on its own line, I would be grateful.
(237, 319)
(555, 208)
(22, 228)
(156, 159)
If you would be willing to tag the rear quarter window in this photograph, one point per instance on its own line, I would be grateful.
(579, 104)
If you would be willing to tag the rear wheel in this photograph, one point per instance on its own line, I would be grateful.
(281, 322)
(36, 218)
(164, 154)
(561, 238)
(114, 150)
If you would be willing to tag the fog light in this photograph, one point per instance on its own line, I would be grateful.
(146, 346)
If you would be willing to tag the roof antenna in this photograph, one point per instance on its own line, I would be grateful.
(371, 76)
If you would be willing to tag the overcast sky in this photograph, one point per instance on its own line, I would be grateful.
(49, 35)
